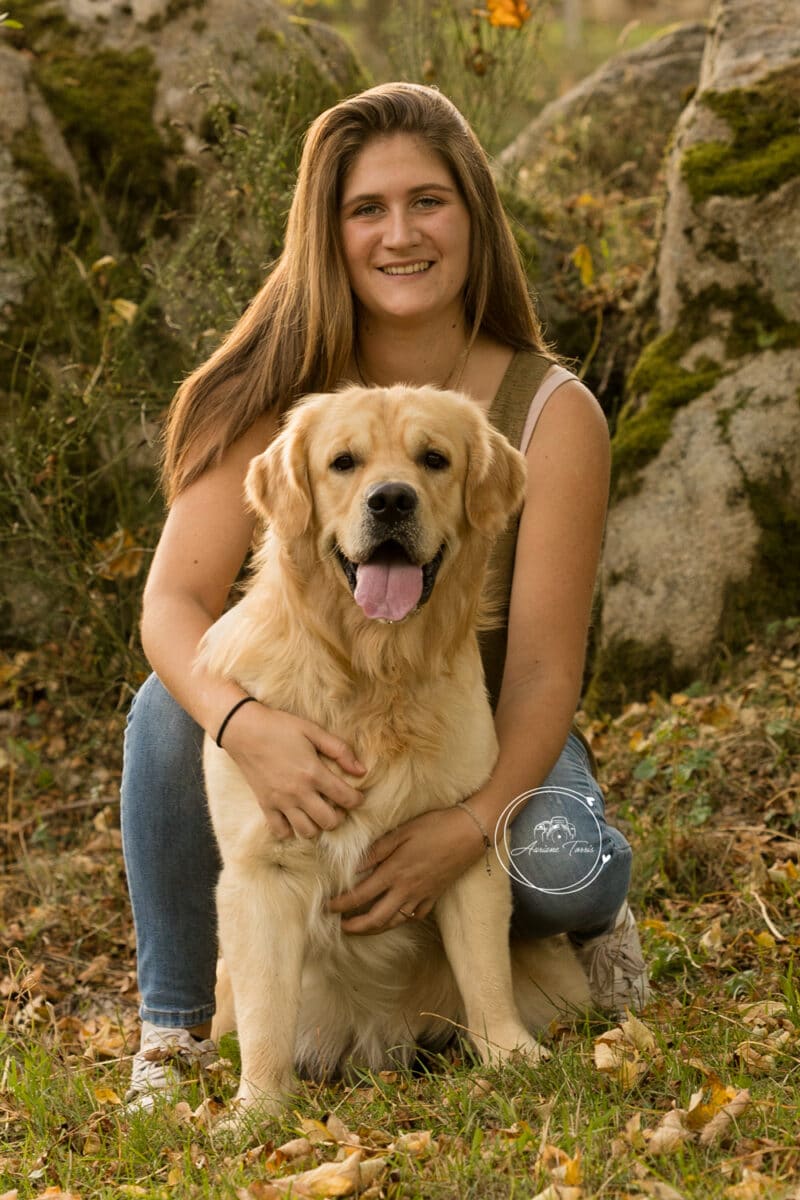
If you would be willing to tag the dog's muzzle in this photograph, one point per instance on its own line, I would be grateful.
(389, 585)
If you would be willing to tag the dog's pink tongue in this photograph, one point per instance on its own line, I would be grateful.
(388, 590)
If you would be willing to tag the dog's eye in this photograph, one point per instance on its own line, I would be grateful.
(343, 462)
(435, 461)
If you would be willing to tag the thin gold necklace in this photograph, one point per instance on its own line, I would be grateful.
(452, 379)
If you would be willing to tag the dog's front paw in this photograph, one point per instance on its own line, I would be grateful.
(243, 1118)
(514, 1044)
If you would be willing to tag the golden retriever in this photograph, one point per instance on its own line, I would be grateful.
(361, 615)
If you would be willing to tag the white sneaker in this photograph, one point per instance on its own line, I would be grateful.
(615, 967)
(164, 1057)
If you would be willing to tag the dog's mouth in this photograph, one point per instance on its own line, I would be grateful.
(389, 585)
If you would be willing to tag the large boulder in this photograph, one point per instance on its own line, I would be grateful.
(703, 534)
(586, 187)
(618, 120)
(114, 97)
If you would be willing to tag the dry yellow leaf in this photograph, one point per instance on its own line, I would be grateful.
(126, 310)
(106, 1095)
(637, 1033)
(668, 1134)
(753, 1185)
(417, 1142)
(296, 1148)
(120, 556)
(659, 1189)
(756, 1056)
(712, 939)
(332, 1178)
(719, 1124)
(556, 1191)
(582, 258)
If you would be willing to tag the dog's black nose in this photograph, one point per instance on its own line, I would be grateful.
(391, 501)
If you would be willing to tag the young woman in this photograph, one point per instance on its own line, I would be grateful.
(398, 265)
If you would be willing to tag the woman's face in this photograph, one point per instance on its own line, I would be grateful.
(405, 232)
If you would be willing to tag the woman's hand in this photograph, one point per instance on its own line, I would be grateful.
(282, 757)
(409, 869)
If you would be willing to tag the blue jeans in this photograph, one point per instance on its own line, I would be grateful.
(570, 871)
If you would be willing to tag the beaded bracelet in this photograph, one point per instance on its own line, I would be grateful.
(487, 841)
(235, 709)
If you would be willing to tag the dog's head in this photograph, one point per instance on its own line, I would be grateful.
(387, 485)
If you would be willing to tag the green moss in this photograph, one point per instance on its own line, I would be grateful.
(43, 23)
(275, 37)
(627, 670)
(764, 151)
(174, 9)
(103, 102)
(744, 319)
(47, 182)
(772, 589)
(667, 386)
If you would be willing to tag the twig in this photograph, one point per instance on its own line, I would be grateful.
(776, 933)
(93, 802)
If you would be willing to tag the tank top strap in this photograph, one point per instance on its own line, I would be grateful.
(553, 379)
(522, 380)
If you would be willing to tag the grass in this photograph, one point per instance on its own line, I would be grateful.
(706, 787)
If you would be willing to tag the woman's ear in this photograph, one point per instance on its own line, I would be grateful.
(277, 483)
(495, 486)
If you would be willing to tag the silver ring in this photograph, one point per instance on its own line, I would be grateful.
(408, 916)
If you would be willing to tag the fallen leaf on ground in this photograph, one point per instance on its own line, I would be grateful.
(668, 1134)
(753, 1185)
(719, 1124)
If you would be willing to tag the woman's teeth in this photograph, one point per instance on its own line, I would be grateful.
(413, 269)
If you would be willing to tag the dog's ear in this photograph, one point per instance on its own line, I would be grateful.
(277, 483)
(495, 485)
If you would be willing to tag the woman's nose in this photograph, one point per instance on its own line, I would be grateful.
(401, 229)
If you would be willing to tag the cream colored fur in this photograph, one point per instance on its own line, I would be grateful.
(409, 699)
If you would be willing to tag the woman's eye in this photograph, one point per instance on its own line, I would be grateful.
(366, 210)
(435, 461)
(428, 201)
(343, 462)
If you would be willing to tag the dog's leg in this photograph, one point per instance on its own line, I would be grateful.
(474, 916)
(262, 934)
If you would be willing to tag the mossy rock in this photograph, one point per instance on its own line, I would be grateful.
(745, 320)
(764, 150)
(626, 670)
(103, 103)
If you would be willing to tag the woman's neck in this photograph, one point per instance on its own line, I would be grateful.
(429, 355)
(425, 357)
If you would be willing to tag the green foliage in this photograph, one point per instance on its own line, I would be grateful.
(764, 151)
(476, 63)
(95, 351)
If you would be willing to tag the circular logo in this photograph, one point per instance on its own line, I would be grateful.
(559, 850)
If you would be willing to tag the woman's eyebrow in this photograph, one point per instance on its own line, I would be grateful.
(362, 197)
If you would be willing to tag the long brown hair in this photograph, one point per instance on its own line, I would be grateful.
(296, 335)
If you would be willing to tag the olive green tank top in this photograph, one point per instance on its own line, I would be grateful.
(508, 413)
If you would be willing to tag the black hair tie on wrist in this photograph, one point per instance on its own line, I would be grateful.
(235, 709)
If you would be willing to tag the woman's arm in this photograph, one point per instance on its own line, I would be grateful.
(201, 550)
(558, 551)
